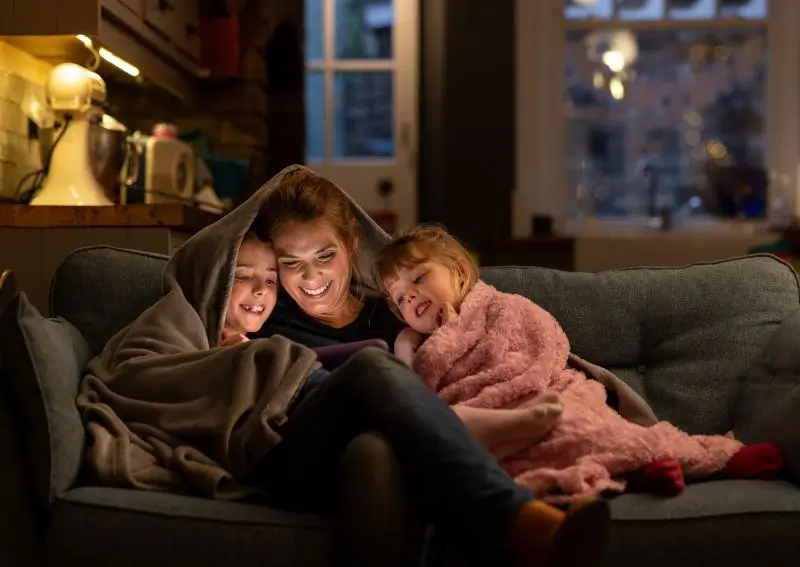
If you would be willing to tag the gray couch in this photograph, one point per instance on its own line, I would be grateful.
(712, 347)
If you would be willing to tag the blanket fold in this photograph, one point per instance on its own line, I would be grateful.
(165, 408)
(502, 350)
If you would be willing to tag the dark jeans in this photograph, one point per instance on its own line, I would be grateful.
(458, 483)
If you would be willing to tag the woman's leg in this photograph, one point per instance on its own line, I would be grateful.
(459, 484)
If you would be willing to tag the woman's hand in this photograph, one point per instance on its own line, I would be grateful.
(230, 339)
(406, 345)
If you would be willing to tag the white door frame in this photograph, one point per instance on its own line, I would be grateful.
(359, 176)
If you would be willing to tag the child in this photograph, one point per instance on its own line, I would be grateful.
(254, 290)
(474, 345)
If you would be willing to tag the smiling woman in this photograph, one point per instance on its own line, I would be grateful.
(315, 232)
(315, 270)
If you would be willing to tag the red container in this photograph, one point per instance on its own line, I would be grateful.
(219, 46)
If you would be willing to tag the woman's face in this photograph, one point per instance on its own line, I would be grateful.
(314, 267)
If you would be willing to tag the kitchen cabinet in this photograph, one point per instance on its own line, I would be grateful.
(135, 6)
(160, 37)
(161, 16)
(177, 20)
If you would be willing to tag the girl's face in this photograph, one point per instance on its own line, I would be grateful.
(314, 267)
(254, 290)
(422, 292)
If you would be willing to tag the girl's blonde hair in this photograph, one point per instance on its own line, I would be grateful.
(425, 243)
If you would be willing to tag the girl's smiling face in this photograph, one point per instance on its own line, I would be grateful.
(254, 290)
(421, 293)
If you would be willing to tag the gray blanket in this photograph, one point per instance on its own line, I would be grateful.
(164, 407)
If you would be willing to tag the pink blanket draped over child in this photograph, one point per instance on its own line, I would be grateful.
(501, 351)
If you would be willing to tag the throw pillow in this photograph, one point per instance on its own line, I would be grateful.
(43, 361)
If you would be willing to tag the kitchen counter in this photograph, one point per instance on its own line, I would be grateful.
(169, 215)
(35, 239)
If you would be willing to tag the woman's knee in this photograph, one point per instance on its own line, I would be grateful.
(377, 368)
(371, 357)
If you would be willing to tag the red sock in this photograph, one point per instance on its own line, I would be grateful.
(663, 477)
(762, 461)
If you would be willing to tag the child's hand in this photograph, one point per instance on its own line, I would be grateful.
(448, 313)
(230, 339)
(406, 344)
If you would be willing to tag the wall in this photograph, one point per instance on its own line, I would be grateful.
(256, 117)
(21, 76)
(595, 254)
(467, 121)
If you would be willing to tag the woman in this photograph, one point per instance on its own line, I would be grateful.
(326, 299)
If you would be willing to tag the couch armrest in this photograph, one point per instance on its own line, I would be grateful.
(768, 407)
(8, 288)
(20, 531)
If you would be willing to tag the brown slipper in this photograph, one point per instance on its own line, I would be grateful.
(581, 539)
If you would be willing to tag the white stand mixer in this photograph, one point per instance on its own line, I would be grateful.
(76, 96)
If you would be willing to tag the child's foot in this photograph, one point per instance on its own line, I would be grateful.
(544, 536)
(663, 477)
(760, 461)
(543, 415)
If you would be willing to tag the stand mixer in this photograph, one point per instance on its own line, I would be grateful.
(76, 97)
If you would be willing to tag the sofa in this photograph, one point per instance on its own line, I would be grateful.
(712, 347)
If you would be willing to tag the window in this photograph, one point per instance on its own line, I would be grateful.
(349, 79)
(666, 107)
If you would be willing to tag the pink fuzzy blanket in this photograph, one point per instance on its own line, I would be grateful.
(501, 351)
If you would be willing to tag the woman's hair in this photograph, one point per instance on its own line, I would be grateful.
(304, 196)
(425, 243)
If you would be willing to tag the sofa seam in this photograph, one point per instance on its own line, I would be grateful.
(194, 518)
(714, 517)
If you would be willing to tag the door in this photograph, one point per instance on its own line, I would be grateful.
(361, 99)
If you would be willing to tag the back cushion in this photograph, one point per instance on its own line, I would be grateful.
(43, 361)
(100, 289)
(684, 338)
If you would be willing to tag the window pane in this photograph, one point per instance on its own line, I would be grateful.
(585, 9)
(314, 30)
(691, 9)
(315, 116)
(363, 114)
(745, 9)
(363, 29)
(666, 120)
(640, 10)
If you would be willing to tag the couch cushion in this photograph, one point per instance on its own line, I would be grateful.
(43, 361)
(90, 525)
(769, 403)
(684, 338)
(732, 523)
(100, 289)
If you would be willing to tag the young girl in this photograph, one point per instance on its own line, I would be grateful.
(476, 346)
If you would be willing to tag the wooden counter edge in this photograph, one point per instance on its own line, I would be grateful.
(169, 215)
